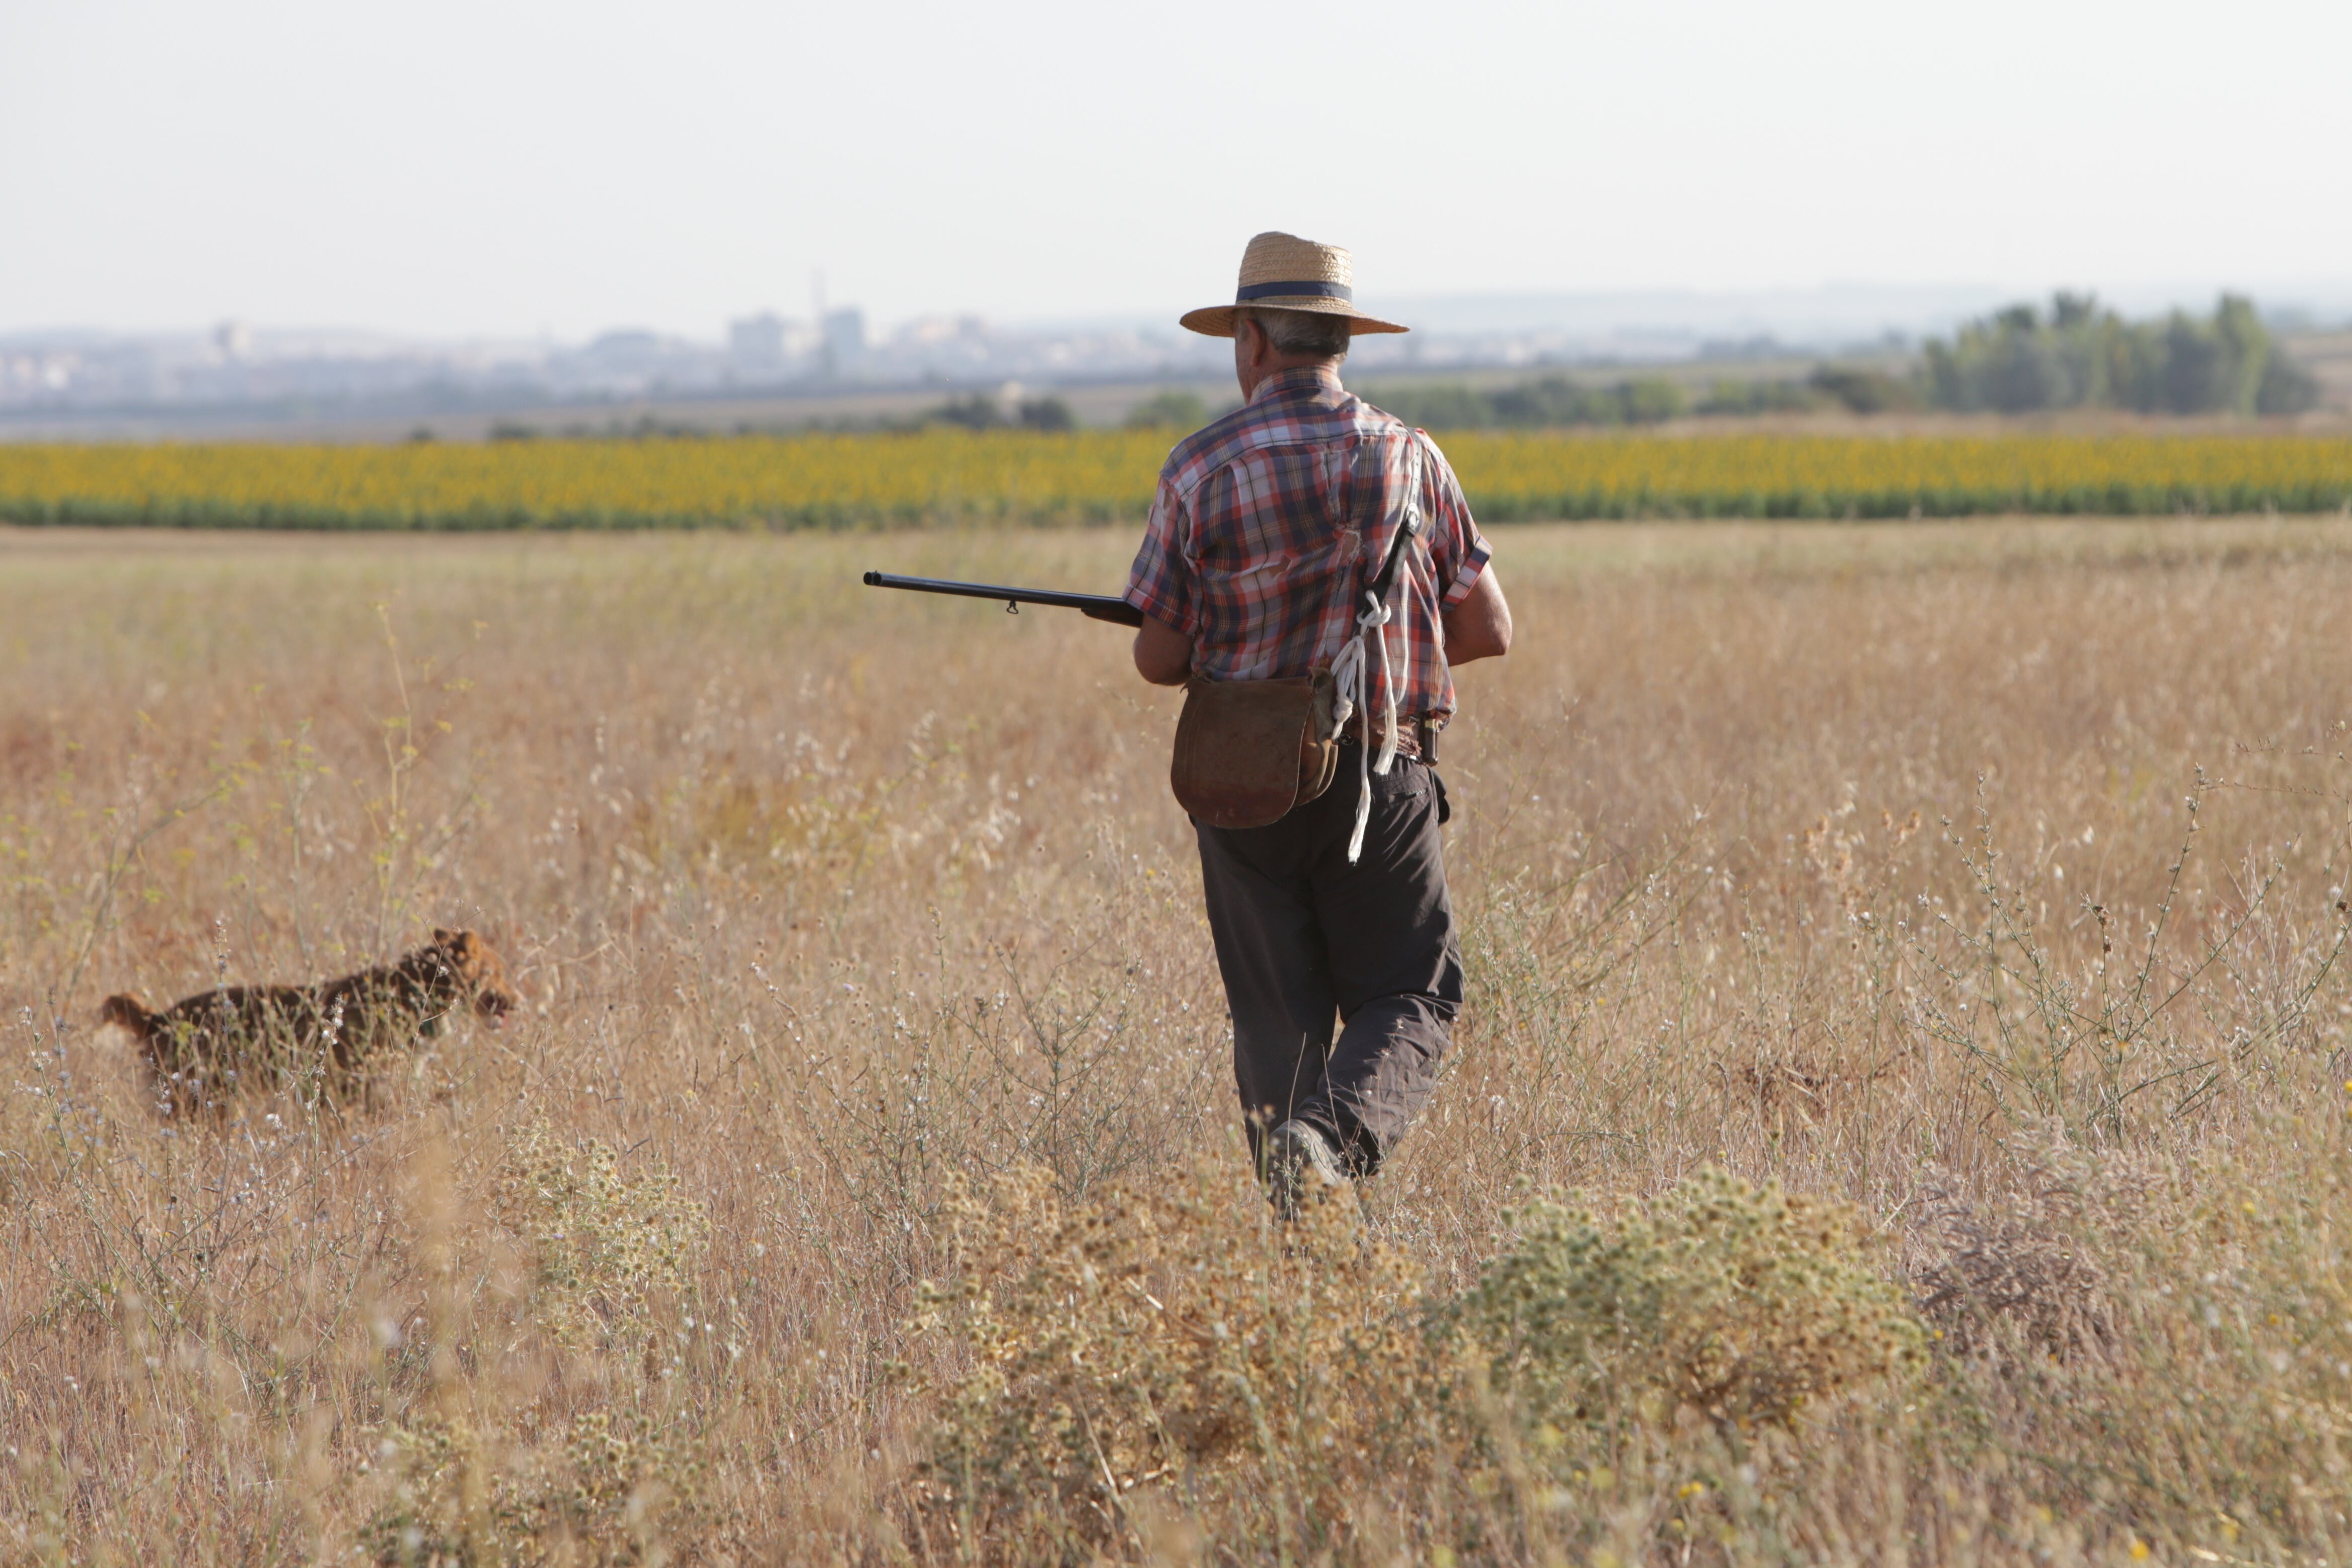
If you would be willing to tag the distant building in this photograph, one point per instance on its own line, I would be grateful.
(844, 337)
(233, 339)
(757, 342)
(933, 332)
(628, 350)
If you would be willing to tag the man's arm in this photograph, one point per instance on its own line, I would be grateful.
(1477, 628)
(1160, 586)
(1164, 655)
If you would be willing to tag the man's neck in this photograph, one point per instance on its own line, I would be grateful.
(1255, 376)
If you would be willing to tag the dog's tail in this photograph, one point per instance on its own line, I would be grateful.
(125, 1010)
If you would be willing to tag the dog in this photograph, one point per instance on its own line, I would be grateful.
(201, 1051)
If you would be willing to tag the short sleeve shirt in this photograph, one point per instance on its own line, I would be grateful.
(1270, 523)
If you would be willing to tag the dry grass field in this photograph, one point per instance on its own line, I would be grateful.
(1902, 1112)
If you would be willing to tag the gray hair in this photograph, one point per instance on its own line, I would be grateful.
(1299, 331)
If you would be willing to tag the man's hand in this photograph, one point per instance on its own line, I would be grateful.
(1477, 628)
(1164, 655)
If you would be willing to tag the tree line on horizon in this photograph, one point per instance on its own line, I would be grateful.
(2019, 359)
(2079, 355)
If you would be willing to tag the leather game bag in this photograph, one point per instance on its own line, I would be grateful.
(1249, 751)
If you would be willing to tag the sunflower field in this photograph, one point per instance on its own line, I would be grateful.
(941, 476)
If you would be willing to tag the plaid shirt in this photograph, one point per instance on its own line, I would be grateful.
(1271, 523)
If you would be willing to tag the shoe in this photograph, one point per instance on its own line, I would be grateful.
(1300, 1160)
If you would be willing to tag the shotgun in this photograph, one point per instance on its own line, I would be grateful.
(1094, 606)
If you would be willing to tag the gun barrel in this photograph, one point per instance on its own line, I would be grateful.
(1095, 606)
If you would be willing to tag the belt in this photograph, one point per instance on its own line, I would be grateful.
(1416, 736)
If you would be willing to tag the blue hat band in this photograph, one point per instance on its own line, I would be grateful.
(1293, 291)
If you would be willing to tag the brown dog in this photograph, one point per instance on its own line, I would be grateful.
(201, 1051)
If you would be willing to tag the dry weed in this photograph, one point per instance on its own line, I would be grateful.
(831, 912)
(607, 1253)
(607, 1489)
(1161, 1342)
(1744, 1303)
(2023, 1270)
(1164, 1359)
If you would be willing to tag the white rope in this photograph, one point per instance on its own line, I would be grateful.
(1347, 676)
(1347, 700)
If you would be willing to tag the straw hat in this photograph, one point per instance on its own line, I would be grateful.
(1283, 272)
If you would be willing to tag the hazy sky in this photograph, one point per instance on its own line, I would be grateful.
(493, 167)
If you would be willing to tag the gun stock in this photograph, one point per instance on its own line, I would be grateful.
(1094, 606)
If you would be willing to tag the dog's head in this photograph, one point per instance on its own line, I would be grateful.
(125, 1012)
(476, 964)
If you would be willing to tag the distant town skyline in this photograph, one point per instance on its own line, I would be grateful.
(1823, 317)
(513, 168)
(275, 372)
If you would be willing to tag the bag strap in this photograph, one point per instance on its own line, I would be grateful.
(1385, 579)
(1351, 679)
(1408, 529)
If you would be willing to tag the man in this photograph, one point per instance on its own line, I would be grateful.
(1269, 527)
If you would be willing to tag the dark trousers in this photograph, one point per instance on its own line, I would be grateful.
(1301, 935)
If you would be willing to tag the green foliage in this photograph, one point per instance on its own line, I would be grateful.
(1438, 406)
(1556, 400)
(1646, 401)
(2019, 361)
(2285, 387)
(1178, 408)
(981, 411)
(1551, 401)
(1726, 396)
(1741, 1301)
(1046, 414)
(978, 411)
(1864, 391)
